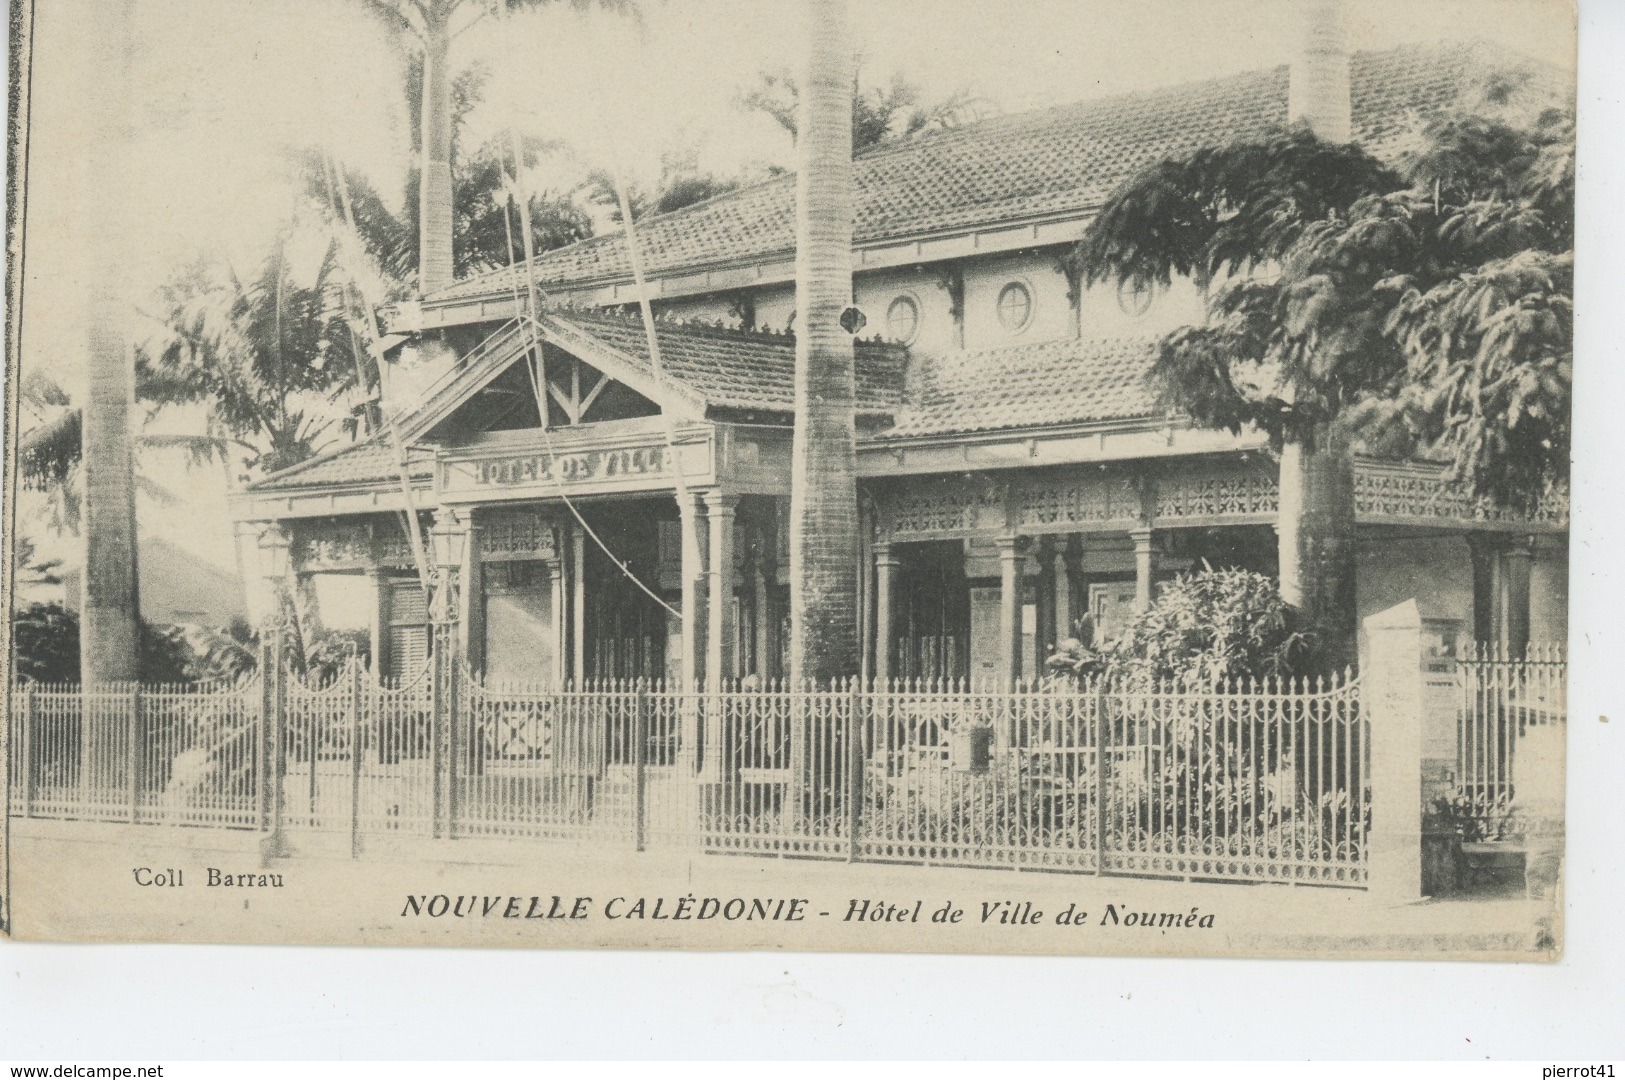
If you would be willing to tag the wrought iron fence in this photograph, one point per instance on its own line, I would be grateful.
(1502, 697)
(150, 753)
(1256, 781)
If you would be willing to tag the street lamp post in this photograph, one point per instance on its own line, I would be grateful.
(276, 565)
(449, 542)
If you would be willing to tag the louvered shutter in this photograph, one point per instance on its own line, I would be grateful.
(408, 630)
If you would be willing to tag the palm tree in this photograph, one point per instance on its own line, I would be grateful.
(425, 28)
(897, 110)
(1422, 310)
(110, 629)
(271, 356)
(823, 480)
(480, 202)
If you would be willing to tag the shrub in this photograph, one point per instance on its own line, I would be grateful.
(45, 639)
(1203, 628)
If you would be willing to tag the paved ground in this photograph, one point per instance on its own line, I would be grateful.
(113, 882)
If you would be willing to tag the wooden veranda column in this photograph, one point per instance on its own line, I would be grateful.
(1061, 572)
(1145, 567)
(693, 572)
(578, 605)
(471, 597)
(722, 632)
(1048, 630)
(1010, 567)
(762, 605)
(379, 620)
(886, 565)
(560, 603)
(1516, 565)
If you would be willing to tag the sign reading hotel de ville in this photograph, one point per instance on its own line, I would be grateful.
(479, 596)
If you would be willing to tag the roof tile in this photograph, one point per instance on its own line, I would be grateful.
(1022, 386)
(1048, 162)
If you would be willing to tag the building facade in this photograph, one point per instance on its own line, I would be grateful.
(1019, 485)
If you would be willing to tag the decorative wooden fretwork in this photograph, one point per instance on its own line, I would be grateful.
(507, 535)
(1408, 492)
(375, 542)
(948, 508)
(1217, 491)
(333, 545)
(393, 548)
(1048, 504)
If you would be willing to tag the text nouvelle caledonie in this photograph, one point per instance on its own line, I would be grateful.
(692, 908)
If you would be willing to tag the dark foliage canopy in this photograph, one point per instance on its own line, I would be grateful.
(1422, 308)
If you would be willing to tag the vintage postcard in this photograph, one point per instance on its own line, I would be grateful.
(1039, 477)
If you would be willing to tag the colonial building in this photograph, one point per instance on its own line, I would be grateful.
(627, 519)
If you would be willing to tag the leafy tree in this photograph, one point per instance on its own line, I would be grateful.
(894, 110)
(1424, 308)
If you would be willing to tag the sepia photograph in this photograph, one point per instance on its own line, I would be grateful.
(852, 475)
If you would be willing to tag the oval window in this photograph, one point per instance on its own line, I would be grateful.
(903, 320)
(1015, 307)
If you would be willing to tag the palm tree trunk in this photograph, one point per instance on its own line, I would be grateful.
(1315, 534)
(823, 499)
(435, 267)
(109, 629)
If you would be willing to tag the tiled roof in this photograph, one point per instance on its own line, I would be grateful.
(1049, 162)
(737, 369)
(723, 368)
(357, 463)
(1043, 384)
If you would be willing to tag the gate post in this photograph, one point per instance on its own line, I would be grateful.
(1394, 698)
(273, 742)
(275, 560)
(450, 539)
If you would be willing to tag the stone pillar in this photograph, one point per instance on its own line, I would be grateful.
(886, 567)
(1145, 567)
(1010, 567)
(693, 598)
(578, 604)
(1395, 708)
(722, 625)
